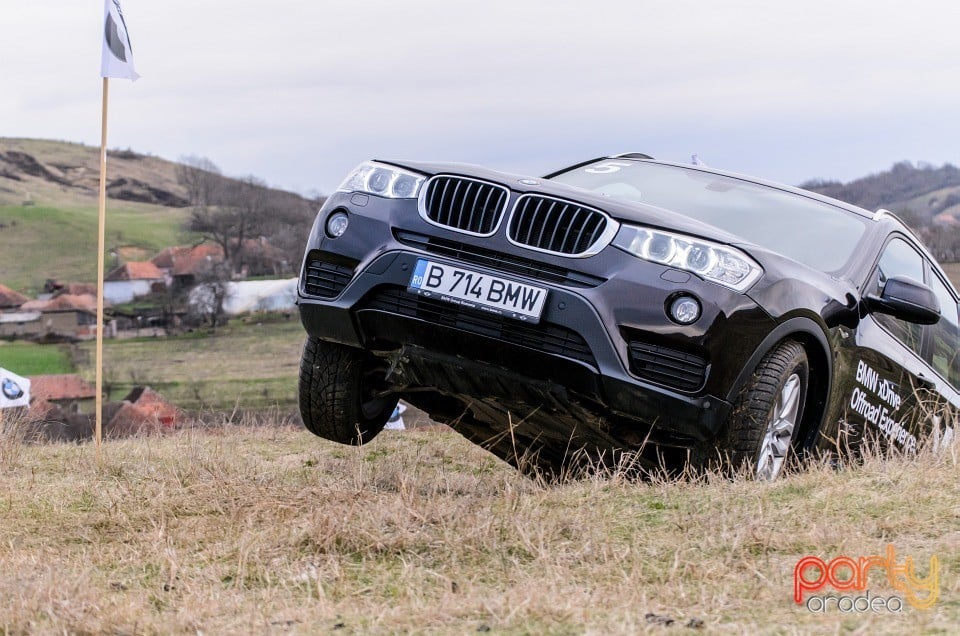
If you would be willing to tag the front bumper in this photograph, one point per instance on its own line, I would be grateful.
(604, 360)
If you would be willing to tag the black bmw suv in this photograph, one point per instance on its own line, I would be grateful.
(623, 305)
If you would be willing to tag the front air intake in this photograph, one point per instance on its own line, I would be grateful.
(326, 275)
(667, 366)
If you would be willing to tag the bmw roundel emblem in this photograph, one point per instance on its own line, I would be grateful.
(529, 182)
(11, 390)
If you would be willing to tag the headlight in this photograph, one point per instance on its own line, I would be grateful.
(383, 181)
(711, 261)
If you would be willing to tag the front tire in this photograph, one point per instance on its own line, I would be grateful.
(341, 393)
(766, 415)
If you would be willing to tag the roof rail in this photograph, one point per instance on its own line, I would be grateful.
(882, 214)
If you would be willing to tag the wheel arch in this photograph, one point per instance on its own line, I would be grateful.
(812, 337)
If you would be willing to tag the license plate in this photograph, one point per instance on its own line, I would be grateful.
(467, 288)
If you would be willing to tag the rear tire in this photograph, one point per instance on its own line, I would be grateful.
(767, 413)
(340, 393)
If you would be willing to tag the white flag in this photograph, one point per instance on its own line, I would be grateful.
(14, 390)
(116, 60)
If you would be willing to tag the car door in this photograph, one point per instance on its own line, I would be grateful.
(942, 354)
(884, 372)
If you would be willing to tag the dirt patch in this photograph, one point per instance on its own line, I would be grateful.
(28, 165)
(136, 190)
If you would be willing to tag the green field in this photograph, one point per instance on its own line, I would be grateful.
(32, 359)
(244, 365)
(61, 243)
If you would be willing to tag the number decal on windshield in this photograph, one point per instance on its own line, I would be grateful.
(604, 168)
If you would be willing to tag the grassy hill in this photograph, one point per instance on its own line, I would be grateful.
(48, 209)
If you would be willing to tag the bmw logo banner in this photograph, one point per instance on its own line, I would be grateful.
(116, 59)
(14, 390)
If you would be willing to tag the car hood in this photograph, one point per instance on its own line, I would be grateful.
(786, 284)
(620, 209)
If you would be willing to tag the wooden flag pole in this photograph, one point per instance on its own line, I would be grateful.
(101, 248)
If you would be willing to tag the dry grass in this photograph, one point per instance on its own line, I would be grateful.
(253, 365)
(270, 530)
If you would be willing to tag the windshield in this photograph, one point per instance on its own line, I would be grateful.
(814, 233)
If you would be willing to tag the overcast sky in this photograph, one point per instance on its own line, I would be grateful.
(298, 92)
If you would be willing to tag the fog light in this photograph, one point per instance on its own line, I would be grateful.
(685, 310)
(337, 224)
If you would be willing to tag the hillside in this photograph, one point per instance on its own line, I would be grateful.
(921, 193)
(927, 198)
(48, 209)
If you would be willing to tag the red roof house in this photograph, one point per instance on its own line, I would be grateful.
(183, 264)
(135, 270)
(67, 389)
(10, 299)
(132, 280)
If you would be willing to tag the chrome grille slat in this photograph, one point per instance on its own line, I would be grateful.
(548, 214)
(557, 226)
(571, 225)
(483, 211)
(462, 204)
(583, 227)
(553, 225)
(464, 208)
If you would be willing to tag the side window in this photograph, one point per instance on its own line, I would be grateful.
(900, 259)
(944, 354)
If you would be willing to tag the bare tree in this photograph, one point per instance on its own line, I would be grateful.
(290, 235)
(230, 212)
(205, 304)
(202, 179)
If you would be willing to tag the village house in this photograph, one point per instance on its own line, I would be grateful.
(20, 324)
(132, 280)
(53, 288)
(69, 315)
(68, 391)
(182, 266)
(10, 299)
(13, 322)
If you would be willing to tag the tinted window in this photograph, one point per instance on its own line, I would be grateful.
(899, 259)
(817, 234)
(945, 335)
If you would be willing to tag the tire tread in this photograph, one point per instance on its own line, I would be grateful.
(329, 393)
(751, 409)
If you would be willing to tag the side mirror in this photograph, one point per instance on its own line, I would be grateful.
(906, 299)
